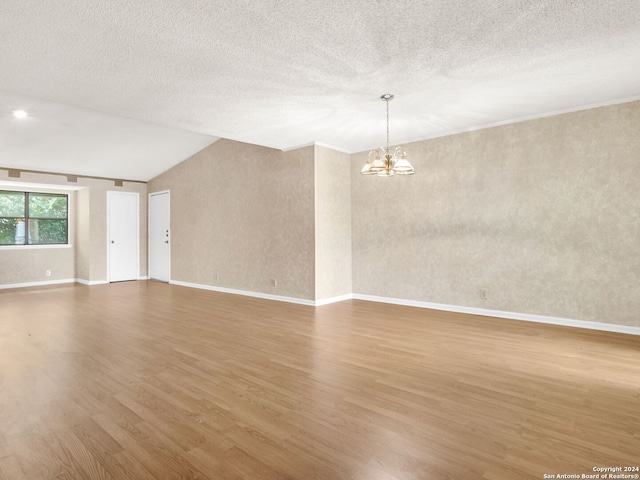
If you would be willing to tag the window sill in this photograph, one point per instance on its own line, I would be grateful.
(33, 247)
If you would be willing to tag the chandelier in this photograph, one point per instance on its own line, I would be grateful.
(389, 164)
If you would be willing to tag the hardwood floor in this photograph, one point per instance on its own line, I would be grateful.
(143, 380)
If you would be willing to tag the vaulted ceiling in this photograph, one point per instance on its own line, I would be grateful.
(128, 88)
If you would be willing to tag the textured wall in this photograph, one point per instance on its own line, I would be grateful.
(98, 238)
(545, 214)
(333, 222)
(242, 215)
(29, 265)
(83, 234)
(87, 258)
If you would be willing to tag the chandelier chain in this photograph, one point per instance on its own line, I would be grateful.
(387, 100)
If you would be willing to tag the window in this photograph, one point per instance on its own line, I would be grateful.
(28, 218)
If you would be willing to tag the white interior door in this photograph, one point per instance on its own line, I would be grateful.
(159, 231)
(123, 236)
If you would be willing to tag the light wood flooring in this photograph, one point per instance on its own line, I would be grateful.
(143, 380)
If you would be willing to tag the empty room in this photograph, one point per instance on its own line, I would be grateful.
(288, 240)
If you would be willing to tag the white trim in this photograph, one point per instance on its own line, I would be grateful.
(246, 293)
(36, 284)
(88, 282)
(36, 247)
(296, 147)
(320, 144)
(143, 278)
(511, 121)
(340, 298)
(567, 322)
(333, 147)
(52, 187)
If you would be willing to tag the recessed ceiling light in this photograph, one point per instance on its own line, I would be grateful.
(19, 113)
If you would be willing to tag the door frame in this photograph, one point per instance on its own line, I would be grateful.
(111, 193)
(160, 192)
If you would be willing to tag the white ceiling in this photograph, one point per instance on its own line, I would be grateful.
(131, 87)
(66, 139)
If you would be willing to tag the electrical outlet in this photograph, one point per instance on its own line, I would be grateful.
(47, 273)
(274, 282)
(484, 293)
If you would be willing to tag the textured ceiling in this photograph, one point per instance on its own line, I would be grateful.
(287, 73)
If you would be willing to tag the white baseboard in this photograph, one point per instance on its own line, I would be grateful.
(327, 301)
(101, 282)
(88, 282)
(36, 284)
(267, 296)
(566, 322)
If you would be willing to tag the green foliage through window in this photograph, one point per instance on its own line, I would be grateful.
(28, 218)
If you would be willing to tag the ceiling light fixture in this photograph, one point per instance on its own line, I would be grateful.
(19, 113)
(390, 164)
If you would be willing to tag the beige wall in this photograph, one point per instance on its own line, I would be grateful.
(242, 215)
(83, 234)
(29, 265)
(545, 214)
(98, 227)
(332, 223)
(87, 257)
